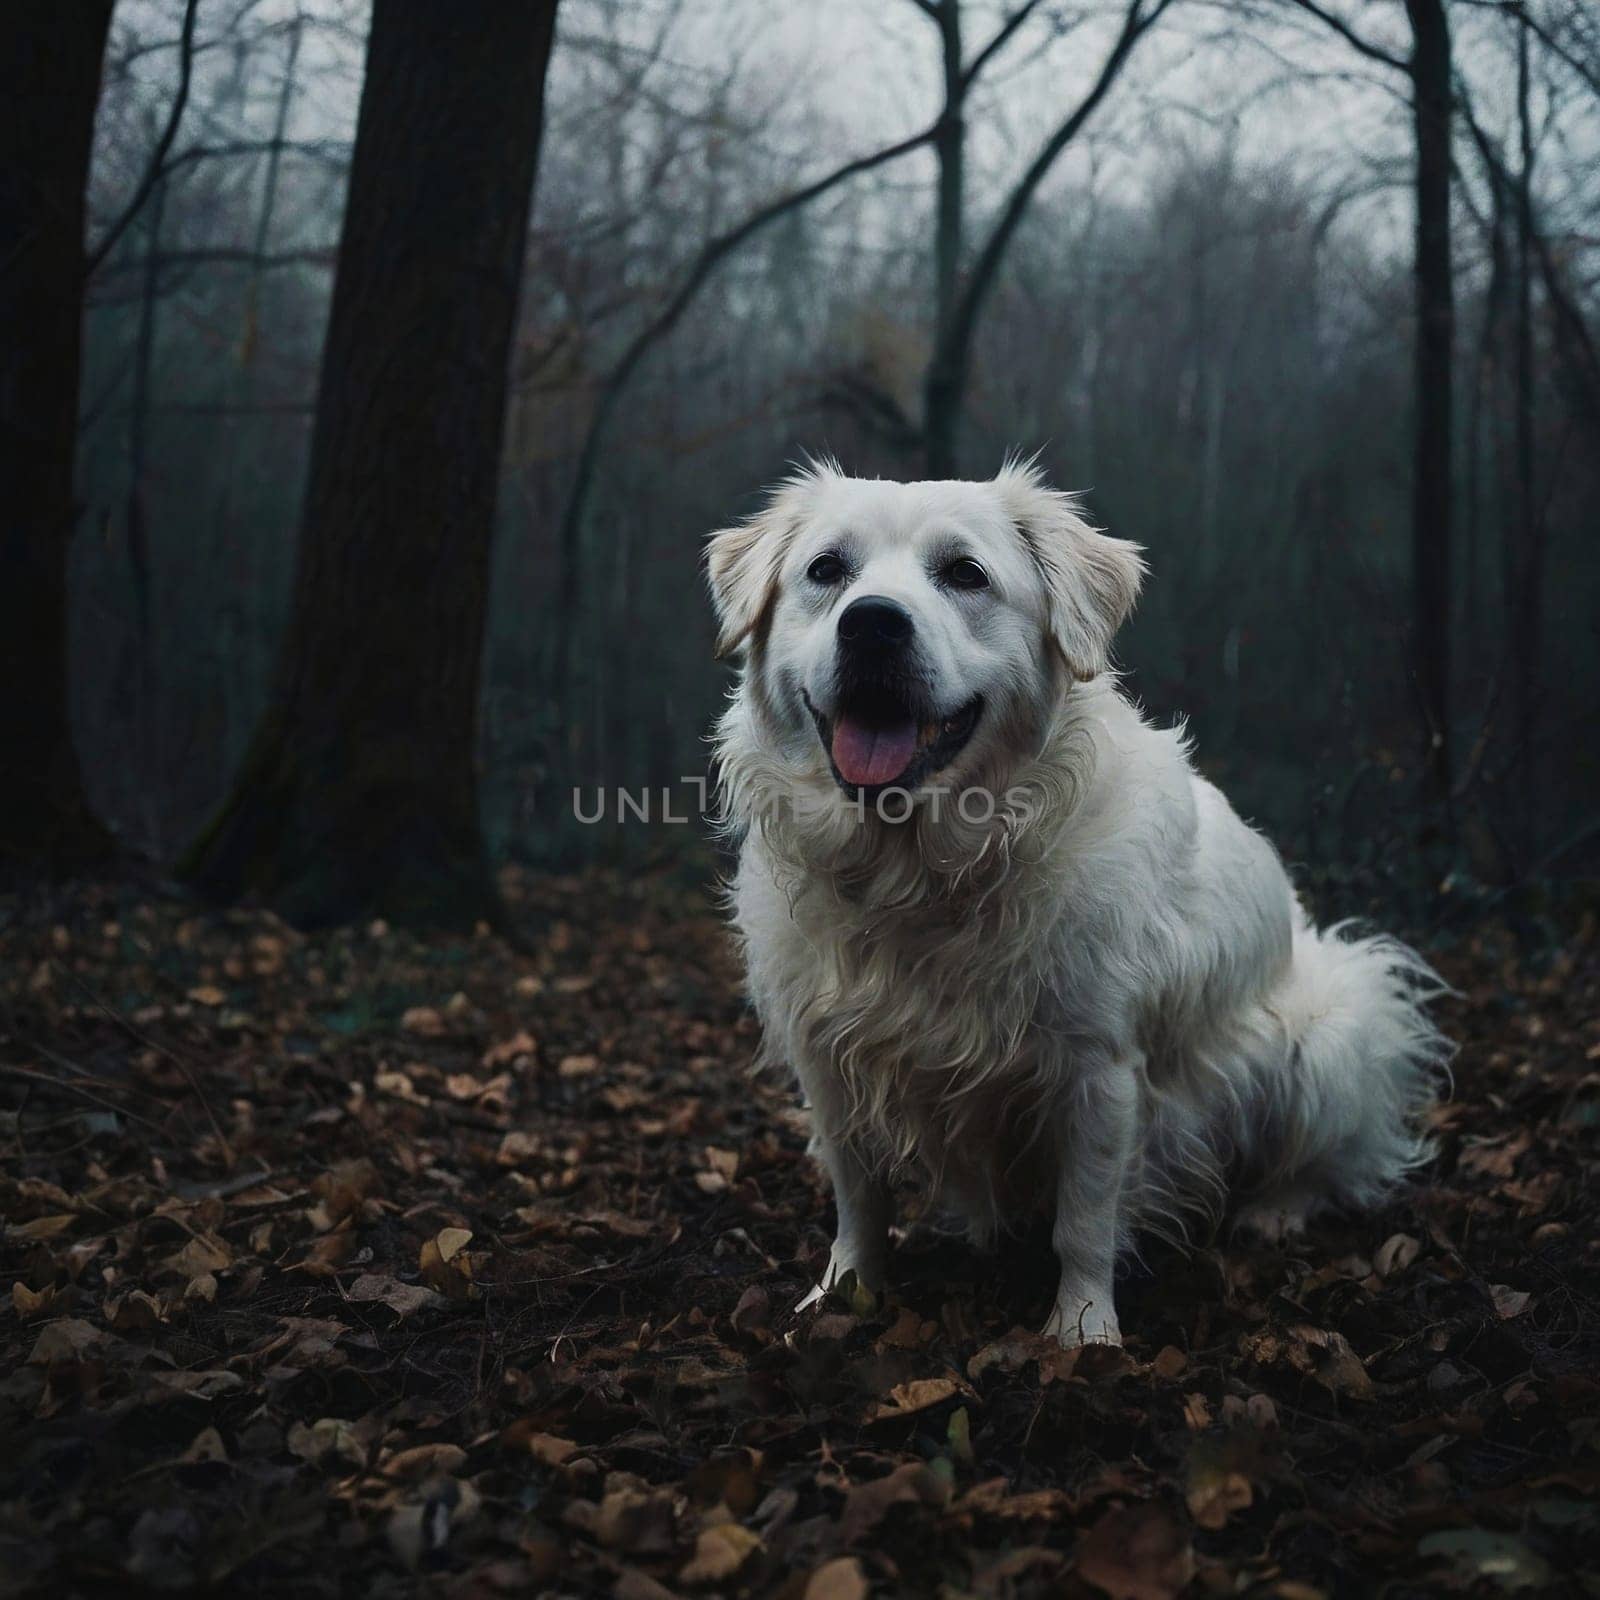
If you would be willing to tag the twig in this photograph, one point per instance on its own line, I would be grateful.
(73, 1087)
(156, 170)
(177, 1060)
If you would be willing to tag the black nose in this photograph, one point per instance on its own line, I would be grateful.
(874, 623)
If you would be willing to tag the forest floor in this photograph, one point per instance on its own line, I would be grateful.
(362, 1264)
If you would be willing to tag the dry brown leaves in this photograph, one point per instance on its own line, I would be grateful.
(476, 1264)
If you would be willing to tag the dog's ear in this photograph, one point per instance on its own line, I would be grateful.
(742, 565)
(1092, 580)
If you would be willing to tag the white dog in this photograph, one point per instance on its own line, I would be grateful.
(1003, 932)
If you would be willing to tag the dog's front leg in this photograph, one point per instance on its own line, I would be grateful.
(865, 1208)
(1098, 1126)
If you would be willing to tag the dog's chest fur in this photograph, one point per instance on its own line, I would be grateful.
(914, 1030)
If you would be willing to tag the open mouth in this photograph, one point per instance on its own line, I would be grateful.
(878, 740)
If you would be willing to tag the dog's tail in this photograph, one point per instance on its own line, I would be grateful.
(1366, 1064)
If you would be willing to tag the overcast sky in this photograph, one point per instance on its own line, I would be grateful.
(830, 78)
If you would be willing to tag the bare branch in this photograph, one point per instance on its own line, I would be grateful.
(1580, 347)
(158, 157)
(616, 381)
(955, 340)
(235, 256)
(330, 153)
(1367, 48)
(1584, 70)
(1524, 14)
(969, 74)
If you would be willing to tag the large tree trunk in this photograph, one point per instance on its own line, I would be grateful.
(943, 383)
(359, 792)
(49, 83)
(1435, 304)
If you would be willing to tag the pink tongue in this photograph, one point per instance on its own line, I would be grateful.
(870, 756)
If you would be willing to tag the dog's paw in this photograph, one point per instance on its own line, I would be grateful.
(846, 1285)
(1273, 1220)
(1087, 1324)
(815, 1298)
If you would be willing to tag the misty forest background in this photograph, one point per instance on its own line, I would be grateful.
(1306, 297)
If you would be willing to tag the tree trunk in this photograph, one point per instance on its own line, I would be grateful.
(49, 84)
(359, 792)
(148, 774)
(953, 339)
(1435, 306)
(1527, 596)
(942, 386)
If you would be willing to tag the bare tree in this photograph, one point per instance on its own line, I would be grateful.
(957, 308)
(613, 386)
(1526, 634)
(1434, 398)
(359, 791)
(945, 389)
(959, 77)
(1430, 71)
(49, 84)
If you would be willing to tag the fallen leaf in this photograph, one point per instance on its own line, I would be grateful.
(1395, 1254)
(1169, 1362)
(133, 1311)
(517, 1146)
(917, 1395)
(1137, 1553)
(66, 1339)
(1494, 1157)
(29, 1303)
(842, 1579)
(753, 1312)
(422, 1460)
(632, 1584)
(199, 1385)
(520, 1045)
(206, 1446)
(1212, 1497)
(867, 1503)
(40, 1229)
(1320, 1353)
(719, 1552)
(330, 1438)
(1509, 1302)
(548, 1448)
(443, 1265)
(343, 1187)
(1020, 1347)
(205, 1253)
(638, 1521)
(1502, 1558)
(404, 1299)
(995, 1498)
(909, 1331)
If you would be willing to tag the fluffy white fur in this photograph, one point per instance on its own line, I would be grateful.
(1105, 998)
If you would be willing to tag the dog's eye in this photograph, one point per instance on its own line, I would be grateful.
(827, 568)
(965, 574)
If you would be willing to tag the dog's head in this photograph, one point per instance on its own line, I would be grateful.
(907, 636)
